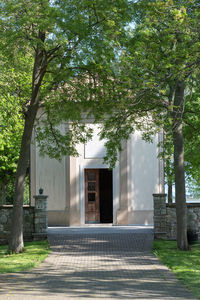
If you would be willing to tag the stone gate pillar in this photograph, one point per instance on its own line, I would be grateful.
(160, 226)
(40, 220)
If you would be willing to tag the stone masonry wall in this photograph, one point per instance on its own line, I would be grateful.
(165, 217)
(160, 228)
(34, 220)
(40, 220)
(5, 222)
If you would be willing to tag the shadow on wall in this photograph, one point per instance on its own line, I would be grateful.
(145, 173)
(137, 188)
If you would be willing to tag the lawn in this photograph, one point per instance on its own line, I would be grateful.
(34, 253)
(185, 264)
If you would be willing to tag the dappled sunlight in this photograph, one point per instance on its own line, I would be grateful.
(135, 179)
(98, 263)
(144, 172)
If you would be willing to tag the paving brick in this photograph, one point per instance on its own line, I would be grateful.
(96, 263)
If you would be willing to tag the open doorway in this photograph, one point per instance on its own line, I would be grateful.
(98, 196)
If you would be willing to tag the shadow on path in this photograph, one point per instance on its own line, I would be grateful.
(94, 263)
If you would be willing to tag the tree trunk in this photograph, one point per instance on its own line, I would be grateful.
(16, 243)
(178, 140)
(169, 183)
(3, 188)
(16, 239)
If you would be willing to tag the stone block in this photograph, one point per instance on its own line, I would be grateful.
(7, 227)
(39, 236)
(193, 226)
(3, 219)
(157, 227)
(195, 217)
(28, 219)
(159, 217)
(3, 235)
(163, 229)
(196, 210)
(173, 212)
(163, 211)
(37, 221)
(156, 211)
(160, 235)
(41, 215)
(28, 229)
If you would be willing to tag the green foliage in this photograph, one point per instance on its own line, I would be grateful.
(76, 39)
(34, 253)
(11, 125)
(14, 84)
(95, 64)
(79, 38)
(192, 139)
(156, 55)
(185, 264)
(27, 191)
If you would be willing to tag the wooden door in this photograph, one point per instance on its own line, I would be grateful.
(92, 211)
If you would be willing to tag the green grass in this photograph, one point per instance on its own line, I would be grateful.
(185, 264)
(34, 253)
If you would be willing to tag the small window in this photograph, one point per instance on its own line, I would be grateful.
(91, 176)
(91, 197)
(91, 186)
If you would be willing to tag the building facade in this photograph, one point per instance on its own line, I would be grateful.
(82, 190)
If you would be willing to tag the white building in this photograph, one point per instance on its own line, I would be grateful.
(83, 190)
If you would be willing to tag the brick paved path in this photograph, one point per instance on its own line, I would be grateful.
(96, 263)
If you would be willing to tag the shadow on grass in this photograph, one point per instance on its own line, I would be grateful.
(185, 264)
(34, 253)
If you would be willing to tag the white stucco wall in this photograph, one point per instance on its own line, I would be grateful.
(95, 148)
(141, 165)
(91, 156)
(143, 172)
(50, 175)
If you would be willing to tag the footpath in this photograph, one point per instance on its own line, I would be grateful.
(96, 263)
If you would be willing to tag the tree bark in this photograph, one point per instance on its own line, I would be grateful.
(178, 140)
(169, 191)
(16, 243)
(16, 239)
(3, 188)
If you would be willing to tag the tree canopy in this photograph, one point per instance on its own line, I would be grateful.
(158, 73)
(72, 57)
(57, 40)
(11, 127)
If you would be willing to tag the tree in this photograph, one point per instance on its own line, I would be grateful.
(192, 140)
(10, 132)
(159, 65)
(191, 147)
(11, 127)
(58, 38)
